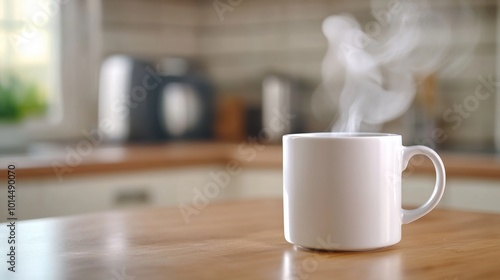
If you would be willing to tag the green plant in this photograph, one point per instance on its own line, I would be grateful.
(19, 100)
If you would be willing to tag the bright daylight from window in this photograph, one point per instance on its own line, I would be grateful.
(28, 68)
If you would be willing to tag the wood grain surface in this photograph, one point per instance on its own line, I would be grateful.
(243, 240)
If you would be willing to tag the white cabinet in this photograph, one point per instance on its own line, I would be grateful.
(474, 194)
(93, 193)
(174, 186)
(461, 193)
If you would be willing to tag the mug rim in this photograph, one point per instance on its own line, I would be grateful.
(341, 135)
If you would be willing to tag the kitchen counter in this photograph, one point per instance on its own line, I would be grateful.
(243, 240)
(69, 161)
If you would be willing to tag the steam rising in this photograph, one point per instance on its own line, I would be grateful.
(371, 73)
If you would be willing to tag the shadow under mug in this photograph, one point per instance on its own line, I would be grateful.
(342, 191)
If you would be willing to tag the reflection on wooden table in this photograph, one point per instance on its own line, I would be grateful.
(244, 240)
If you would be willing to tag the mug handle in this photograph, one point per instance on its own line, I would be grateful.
(408, 152)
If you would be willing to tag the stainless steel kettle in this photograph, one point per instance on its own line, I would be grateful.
(280, 107)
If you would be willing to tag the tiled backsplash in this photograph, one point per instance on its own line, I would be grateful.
(238, 42)
(151, 28)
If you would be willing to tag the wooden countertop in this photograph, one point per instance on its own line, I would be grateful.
(243, 240)
(105, 159)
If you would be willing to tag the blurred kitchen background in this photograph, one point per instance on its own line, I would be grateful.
(168, 91)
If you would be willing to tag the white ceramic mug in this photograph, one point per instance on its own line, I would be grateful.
(342, 191)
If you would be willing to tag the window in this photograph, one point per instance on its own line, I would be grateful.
(52, 48)
(28, 60)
